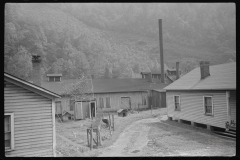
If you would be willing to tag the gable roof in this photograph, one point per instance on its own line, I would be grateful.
(27, 85)
(221, 77)
(108, 85)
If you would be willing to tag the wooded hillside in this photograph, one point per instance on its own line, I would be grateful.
(116, 40)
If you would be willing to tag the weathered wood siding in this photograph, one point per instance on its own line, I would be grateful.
(192, 107)
(232, 105)
(158, 99)
(115, 100)
(33, 123)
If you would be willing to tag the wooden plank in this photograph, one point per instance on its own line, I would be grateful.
(19, 94)
(36, 109)
(32, 104)
(27, 152)
(33, 130)
(32, 115)
(33, 124)
(25, 100)
(30, 112)
(23, 97)
(33, 143)
(34, 136)
(22, 141)
(35, 146)
(32, 133)
(39, 121)
(32, 127)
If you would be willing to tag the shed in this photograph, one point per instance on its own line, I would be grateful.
(122, 112)
(29, 119)
(67, 115)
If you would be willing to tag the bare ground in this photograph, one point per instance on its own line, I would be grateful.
(142, 134)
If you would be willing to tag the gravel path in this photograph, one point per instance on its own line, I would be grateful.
(151, 137)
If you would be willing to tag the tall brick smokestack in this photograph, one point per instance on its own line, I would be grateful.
(177, 70)
(36, 74)
(161, 51)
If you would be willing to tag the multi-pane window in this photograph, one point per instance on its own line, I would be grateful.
(208, 105)
(51, 79)
(177, 102)
(8, 131)
(101, 103)
(72, 104)
(108, 105)
(57, 79)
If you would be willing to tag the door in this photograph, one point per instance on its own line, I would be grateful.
(78, 110)
(85, 110)
(92, 109)
(125, 103)
(58, 107)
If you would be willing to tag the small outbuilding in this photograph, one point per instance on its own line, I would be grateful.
(122, 112)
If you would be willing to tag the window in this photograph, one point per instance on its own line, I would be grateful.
(51, 79)
(144, 101)
(177, 103)
(57, 79)
(108, 105)
(208, 105)
(72, 104)
(101, 103)
(9, 131)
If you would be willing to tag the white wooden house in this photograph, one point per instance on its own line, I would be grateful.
(206, 95)
(29, 119)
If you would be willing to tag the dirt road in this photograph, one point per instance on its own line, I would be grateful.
(151, 137)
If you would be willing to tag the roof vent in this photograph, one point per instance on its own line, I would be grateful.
(54, 77)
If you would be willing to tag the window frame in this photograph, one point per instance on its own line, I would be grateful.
(109, 102)
(177, 109)
(204, 107)
(71, 104)
(12, 132)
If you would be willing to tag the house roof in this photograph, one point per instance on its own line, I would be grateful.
(108, 85)
(30, 86)
(50, 75)
(221, 77)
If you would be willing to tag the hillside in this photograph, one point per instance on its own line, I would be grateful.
(108, 40)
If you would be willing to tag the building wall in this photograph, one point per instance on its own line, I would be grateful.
(33, 122)
(115, 100)
(158, 99)
(192, 107)
(136, 99)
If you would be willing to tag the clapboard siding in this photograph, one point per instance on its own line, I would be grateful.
(192, 107)
(38, 151)
(232, 104)
(33, 126)
(136, 98)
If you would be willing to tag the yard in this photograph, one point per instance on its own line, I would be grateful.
(142, 134)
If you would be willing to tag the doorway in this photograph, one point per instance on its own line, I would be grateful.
(125, 103)
(92, 106)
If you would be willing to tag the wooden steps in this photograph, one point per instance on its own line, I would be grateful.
(227, 134)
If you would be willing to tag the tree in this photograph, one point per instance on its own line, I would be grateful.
(20, 65)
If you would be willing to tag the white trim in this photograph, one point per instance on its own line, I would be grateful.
(204, 105)
(179, 101)
(54, 127)
(12, 131)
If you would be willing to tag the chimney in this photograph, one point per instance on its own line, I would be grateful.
(150, 77)
(177, 70)
(36, 74)
(204, 69)
(161, 50)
